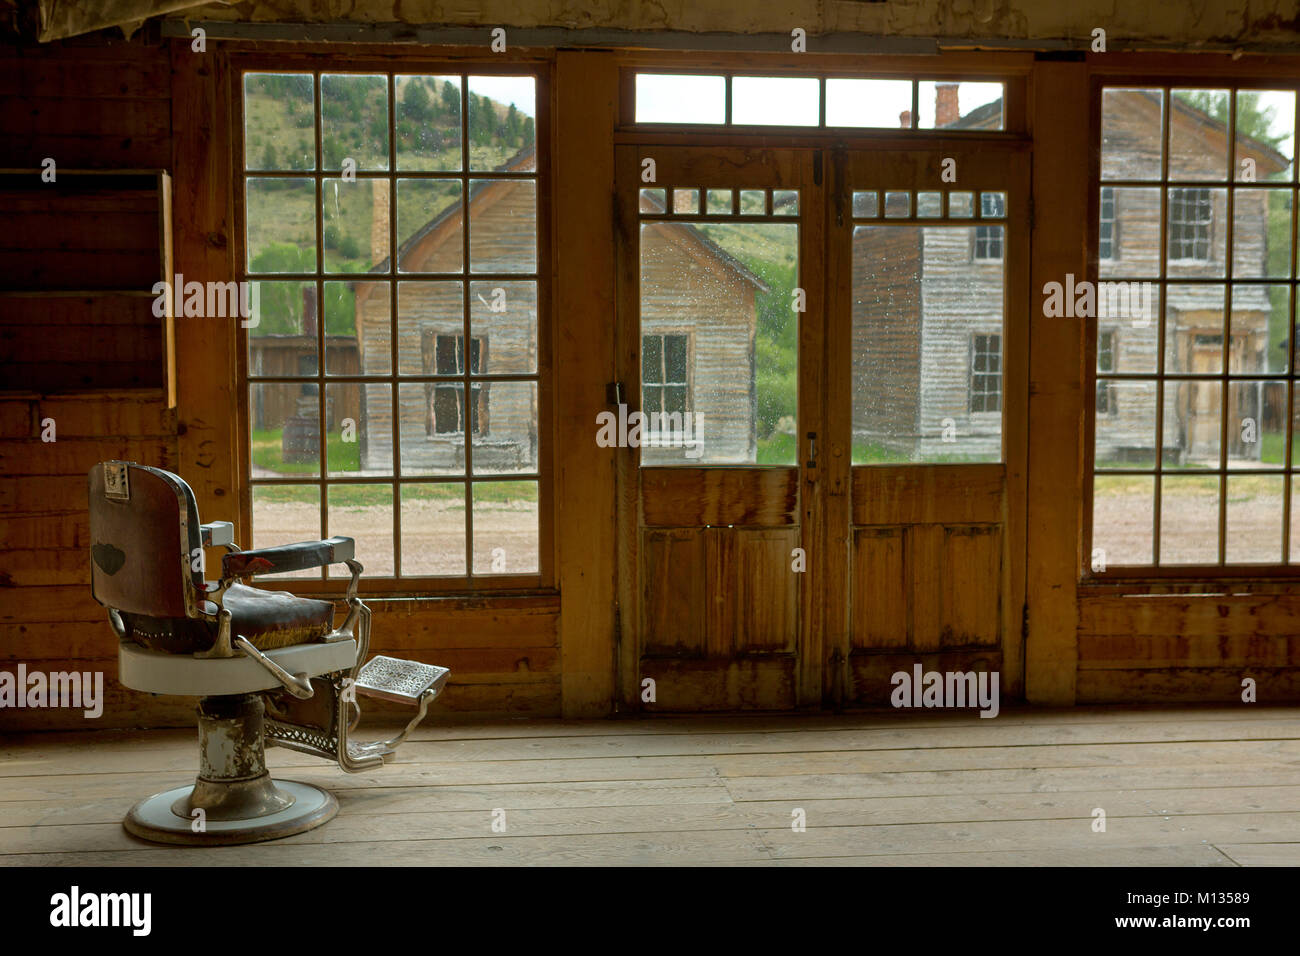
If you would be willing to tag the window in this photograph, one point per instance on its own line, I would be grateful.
(986, 373)
(1191, 212)
(988, 239)
(1106, 242)
(1106, 404)
(813, 101)
(663, 373)
(1194, 458)
(391, 235)
(443, 355)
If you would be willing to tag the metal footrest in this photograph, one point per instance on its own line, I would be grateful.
(399, 681)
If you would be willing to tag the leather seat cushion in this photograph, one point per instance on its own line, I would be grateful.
(271, 619)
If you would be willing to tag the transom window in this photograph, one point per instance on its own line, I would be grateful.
(391, 238)
(728, 99)
(1194, 453)
(986, 373)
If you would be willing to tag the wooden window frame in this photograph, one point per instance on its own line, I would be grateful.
(317, 58)
(976, 375)
(1249, 78)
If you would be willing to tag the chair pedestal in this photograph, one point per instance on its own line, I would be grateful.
(234, 800)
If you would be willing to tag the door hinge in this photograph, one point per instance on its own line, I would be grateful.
(817, 168)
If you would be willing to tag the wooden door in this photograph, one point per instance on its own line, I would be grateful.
(927, 403)
(720, 535)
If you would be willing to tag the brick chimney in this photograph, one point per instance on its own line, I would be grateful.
(946, 111)
(379, 232)
(905, 119)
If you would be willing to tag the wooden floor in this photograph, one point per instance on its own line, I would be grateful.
(1195, 787)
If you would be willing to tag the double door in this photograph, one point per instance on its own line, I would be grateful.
(822, 357)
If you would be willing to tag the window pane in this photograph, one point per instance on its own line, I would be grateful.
(929, 205)
(1126, 424)
(287, 514)
(1193, 154)
(433, 529)
(359, 429)
(1260, 320)
(354, 120)
(785, 202)
(961, 205)
(920, 309)
(505, 432)
(1194, 329)
(501, 123)
(719, 202)
(1254, 531)
(866, 205)
(281, 215)
(1131, 122)
(734, 301)
(284, 429)
(1256, 424)
(775, 100)
(503, 324)
(1123, 513)
(345, 302)
(433, 422)
(279, 121)
(354, 223)
(753, 202)
(898, 205)
(1261, 233)
(503, 225)
(1196, 238)
(364, 513)
(652, 359)
(1137, 235)
(1193, 412)
(430, 328)
(283, 342)
(680, 98)
(1265, 135)
(1128, 316)
(428, 122)
(948, 104)
(506, 527)
(686, 202)
(428, 226)
(1189, 520)
(886, 104)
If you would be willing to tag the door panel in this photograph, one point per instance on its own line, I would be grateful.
(927, 350)
(710, 329)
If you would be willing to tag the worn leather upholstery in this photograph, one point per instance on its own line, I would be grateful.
(276, 618)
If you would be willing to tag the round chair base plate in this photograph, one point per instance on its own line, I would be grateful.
(152, 819)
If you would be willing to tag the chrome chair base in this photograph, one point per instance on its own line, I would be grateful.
(155, 818)
(234, 800)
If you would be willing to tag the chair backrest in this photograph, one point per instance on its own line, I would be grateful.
(144, 529)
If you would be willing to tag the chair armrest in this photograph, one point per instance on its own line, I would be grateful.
(288, 557)
(217, 534)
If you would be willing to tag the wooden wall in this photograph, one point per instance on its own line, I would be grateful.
(93, 364)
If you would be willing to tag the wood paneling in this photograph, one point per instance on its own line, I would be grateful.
(754, 601)
(753, 683)
(934, 494)
(871, 674)
(970, 591)
(680, 497)
(673, 595)
(880, 596)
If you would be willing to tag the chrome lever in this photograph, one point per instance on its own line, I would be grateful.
(297, 684)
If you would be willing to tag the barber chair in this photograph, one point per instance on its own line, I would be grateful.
(267, 667)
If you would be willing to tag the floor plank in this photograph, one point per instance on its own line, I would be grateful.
(1188, 786)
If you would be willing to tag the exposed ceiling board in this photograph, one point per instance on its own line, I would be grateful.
(69, 18)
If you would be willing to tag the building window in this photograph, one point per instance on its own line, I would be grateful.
(988, 239)
(1106, 238)
(986, 373)
(664, 382)
(1191, 473)
(390, 233)
(1106, 404)
(1191, 212)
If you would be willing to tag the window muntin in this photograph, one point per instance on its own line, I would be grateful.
(726, 99)
(372, 442)
(986, 373)
(1192, 459)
